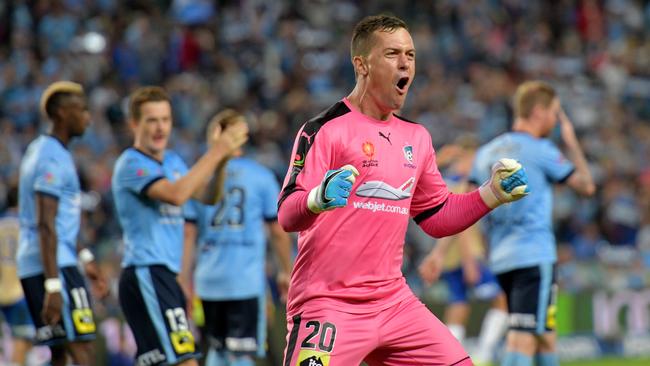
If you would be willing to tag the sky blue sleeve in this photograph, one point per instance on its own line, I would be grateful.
(190, 211)
(50, 177)
(137, 174)
(475, 175)
(270, 193)
(555, 166)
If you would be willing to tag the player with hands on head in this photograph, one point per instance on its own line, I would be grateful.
(358, 173)
(151, 186)
(228, 270)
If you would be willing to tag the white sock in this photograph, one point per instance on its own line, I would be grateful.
(493, 329)
(458, 331)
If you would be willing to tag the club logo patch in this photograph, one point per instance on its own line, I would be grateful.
(408, 153)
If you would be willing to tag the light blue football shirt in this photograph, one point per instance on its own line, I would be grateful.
(152, 230)
(231, 252)
(520, 234)
(48, 168)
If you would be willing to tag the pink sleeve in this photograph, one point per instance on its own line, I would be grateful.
(294, 215)
(459, 212)
(311, 159)
(431, 189)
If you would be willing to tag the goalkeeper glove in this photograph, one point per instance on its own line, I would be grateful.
(508, 183)
(334, 190)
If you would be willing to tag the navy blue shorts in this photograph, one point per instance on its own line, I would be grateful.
(487, 287)
(19, 320)
(154, 306)
(237, 326)
(532, 296)
(77, 320)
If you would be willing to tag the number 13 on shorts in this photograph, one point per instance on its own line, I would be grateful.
(180, 335)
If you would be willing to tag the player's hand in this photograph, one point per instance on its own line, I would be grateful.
(508, 183)
(334, 190)
(283, 279)
(431, 268)
(52, 305)
(566, 129)
(232, 137)
(471, 272)
(216, 133)
(98, 283)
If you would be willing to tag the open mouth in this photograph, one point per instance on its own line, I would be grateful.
(401, 83)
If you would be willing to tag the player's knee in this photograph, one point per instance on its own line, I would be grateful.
(522, 342)
(547, 343)
(190, 362)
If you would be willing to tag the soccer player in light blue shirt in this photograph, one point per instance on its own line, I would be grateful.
(150, 186)
(520, 235)
(49, 213)
(229, 277)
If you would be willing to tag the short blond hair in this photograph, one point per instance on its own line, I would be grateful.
(530, 94)
(52, 96)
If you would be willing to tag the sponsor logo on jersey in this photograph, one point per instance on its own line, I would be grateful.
(313, 358)
(379, 189)
(387, 137)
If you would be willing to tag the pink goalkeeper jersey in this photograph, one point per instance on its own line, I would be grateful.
(353, 255)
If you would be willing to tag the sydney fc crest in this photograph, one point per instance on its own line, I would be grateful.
(408, 153)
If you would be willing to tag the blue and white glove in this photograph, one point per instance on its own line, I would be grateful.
(508, 183)
(334, 190)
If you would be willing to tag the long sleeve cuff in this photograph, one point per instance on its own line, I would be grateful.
(293, 214)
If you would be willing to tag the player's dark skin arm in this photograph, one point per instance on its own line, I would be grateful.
(46, 209)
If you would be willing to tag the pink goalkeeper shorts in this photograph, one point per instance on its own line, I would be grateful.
(405, 334)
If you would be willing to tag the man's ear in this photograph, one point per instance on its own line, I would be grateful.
(132, 123)
(360, 65)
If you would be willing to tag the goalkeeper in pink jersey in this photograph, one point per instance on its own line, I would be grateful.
(358, 172)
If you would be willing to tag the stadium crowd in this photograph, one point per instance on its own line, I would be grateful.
(281, 62)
